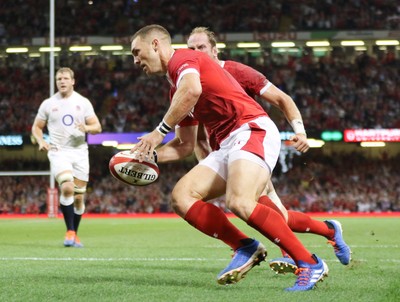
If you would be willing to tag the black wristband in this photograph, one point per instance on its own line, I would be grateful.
(163, 128)
(155, 156)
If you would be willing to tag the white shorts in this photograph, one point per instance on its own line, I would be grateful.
(75, 160)
(258, 141)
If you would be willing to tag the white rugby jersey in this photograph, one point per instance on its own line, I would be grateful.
(61, 115)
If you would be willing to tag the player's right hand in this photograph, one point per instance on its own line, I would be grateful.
(146, 145)
(300, 142)
(44, 146)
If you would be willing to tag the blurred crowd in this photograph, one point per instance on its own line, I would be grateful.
(337, 91)
(341, 183)
(123, 17)
(315, 183)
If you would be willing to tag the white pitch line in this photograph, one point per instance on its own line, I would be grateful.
(356, 246)
(149, 259)
(104, 259)
(384, 246)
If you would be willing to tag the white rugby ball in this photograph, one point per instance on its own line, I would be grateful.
(125, 167)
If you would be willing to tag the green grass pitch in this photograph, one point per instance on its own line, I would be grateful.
(165, 259)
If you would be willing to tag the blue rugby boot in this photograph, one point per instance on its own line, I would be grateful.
(283, 265)
(342, 250)
(308, 275)
(244, 259)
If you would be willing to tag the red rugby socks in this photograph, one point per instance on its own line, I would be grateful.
(212, 221)
(269, 223)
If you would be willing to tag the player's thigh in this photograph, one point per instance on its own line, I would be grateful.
(59, 162)
(246, 181)
(80, 164)
(200, 183)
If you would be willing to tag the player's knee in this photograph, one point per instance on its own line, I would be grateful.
(79, 200)
(233, 205)
(240, 206)
(180, 200)
(79, 203)
(66, 183)
(175, 201)
(79, 207)
(67, 189)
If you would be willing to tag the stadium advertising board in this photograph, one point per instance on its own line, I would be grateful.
(11, 140)
(371, 135)
(132, 137)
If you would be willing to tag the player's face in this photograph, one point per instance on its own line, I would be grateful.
(200, 42)
(145, 55)
(65, 83)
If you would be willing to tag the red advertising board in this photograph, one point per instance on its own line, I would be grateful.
(372, 135)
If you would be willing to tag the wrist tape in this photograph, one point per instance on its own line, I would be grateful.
(163, 128)
(298, 126)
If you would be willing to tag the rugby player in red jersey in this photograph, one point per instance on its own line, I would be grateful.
(245, 143)
(256, 84)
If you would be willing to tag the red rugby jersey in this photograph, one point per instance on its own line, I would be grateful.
(223, 105)
(251, 80)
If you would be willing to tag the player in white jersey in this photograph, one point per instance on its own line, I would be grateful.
(68, 117)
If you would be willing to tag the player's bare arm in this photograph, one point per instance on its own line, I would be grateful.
(180, 147)
(37, 132)
(285, 103)
(183, 101)
(202, 144)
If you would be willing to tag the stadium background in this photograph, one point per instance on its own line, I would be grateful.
(336, 88)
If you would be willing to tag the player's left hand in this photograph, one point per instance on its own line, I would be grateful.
(81, 127)
(300, 142)
(146, 145)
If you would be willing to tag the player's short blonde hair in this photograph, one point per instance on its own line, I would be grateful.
(67, 70)
(204, 30)
(152, 29)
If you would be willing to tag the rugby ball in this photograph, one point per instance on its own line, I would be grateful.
(125, 167)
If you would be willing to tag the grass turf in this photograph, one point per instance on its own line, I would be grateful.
(167, 260)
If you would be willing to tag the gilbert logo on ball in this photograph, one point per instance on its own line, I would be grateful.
(125, 167)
